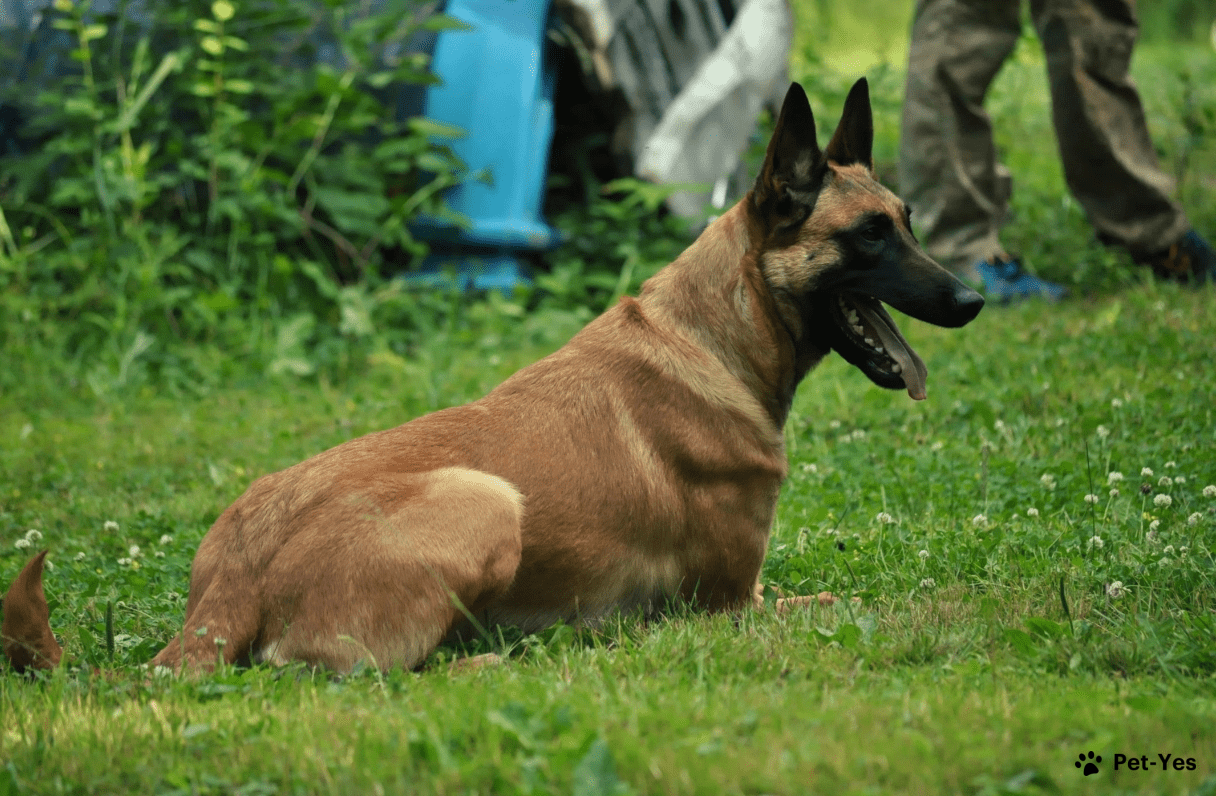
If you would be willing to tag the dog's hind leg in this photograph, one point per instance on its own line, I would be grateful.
(385, 580)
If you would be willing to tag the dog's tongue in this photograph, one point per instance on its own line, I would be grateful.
(912, 368)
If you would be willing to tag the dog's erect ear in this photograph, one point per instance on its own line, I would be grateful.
(793, 168)
(28, 642)
(853, 141)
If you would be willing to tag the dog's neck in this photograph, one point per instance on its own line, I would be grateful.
(715, 293)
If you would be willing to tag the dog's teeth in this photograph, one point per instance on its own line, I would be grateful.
(869, 341)
(857, 328)
(896, 368)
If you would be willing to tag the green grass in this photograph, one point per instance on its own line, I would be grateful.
(985, 665)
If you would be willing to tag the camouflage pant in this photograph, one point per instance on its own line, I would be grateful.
(948, 167)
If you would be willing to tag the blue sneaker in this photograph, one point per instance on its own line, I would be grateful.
(1005, 281)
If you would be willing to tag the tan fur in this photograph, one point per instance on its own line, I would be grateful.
(28, 642)
(639, 463)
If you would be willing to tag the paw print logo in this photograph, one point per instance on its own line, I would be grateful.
(1088, 762)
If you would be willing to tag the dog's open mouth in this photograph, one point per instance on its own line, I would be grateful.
(877, 346)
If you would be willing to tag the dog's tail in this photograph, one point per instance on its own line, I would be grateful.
(221, 628)
(28, 642)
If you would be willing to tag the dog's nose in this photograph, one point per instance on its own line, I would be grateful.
(967, 304)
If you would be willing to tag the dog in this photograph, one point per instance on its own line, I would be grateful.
(639, 464)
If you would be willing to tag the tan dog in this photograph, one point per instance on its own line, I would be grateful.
(640, 463)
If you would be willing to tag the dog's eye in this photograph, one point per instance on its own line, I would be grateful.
(871, 234)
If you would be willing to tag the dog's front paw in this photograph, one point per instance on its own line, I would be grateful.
(823, 598)
(475, 662)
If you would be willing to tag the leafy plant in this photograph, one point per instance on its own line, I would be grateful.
(613, 244)
(188, 188)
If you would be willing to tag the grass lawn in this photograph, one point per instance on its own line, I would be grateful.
(1007, 623)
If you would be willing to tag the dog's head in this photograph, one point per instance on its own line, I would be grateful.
(836, 245)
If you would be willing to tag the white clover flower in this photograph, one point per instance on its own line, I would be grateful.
(1096, 541)
(1147, 472)
(162, 672)
(1165, 480)
(1114, 477)
(980, 520)
(159, 554)
(1091, 498)
(50, 565)
(1209, 491)
(34, 535)
(937, 445)
(1048, 480)
(885, 518)
(1103, 432)
(1165, 562)
(80, 556)
(999, 425)
(834, 424)
(110, 525)
(1114, 493)
(1032, 512)
(1115, 589)
(1182, 551)
(1180, 479)
(22, 543)
(134, 551)
(928, 583)
(1168, 549)
(124, 562)
(1164, 501)
(923, 554)
(1171, 464)
(1194, 519)
(167, 539)
(1116, 402)
(1153, 526)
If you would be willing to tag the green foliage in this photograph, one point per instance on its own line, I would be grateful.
(1170, 20)
(613, 244)
(188, 187)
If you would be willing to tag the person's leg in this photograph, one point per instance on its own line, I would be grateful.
(948, 167)
(1109, 161)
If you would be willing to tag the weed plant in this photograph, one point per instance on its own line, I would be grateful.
(216, 186)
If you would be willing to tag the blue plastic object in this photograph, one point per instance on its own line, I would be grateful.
(498, 82)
